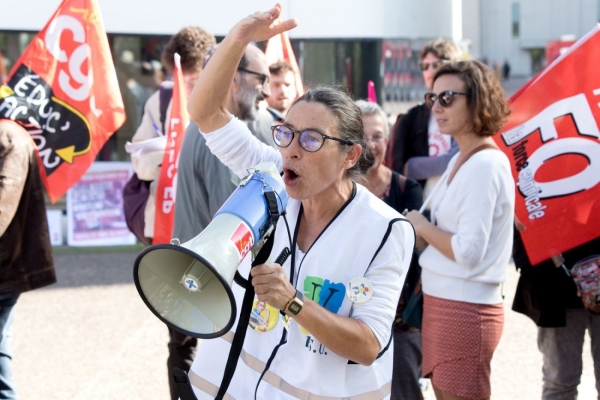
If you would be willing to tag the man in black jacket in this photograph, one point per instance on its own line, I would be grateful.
(418, 149)
(25, 251)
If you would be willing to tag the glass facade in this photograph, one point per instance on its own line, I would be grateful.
(516, 19)
(348, 64)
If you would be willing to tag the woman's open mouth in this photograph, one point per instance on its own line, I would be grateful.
(290, 177)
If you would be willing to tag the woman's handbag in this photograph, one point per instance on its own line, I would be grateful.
(413, 313)
(586, 274)
(135, 197)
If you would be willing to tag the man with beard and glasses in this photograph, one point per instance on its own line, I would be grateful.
(203, 182)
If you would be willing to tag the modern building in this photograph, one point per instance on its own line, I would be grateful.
(342, 42)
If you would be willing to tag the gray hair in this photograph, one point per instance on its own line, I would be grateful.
(370, 108)
(349, 122)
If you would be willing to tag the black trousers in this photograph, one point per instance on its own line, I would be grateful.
(182, 350)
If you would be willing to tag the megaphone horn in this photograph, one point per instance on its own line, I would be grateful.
(188, 286)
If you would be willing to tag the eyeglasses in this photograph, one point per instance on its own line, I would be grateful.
(446, 97)
(310, 140)
(375, 139)
(436, 64)
(264, 78)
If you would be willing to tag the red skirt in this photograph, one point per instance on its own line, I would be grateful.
(459, 340)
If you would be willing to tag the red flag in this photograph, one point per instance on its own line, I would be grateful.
(371, 95)
(64, 91)
(553, 141)
(279, 48)
(165, 190)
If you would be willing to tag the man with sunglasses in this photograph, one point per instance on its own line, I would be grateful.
(418, 149)
(203, 182)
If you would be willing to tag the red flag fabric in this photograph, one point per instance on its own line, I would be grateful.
(553, 141)
(165, 191)
(64, 91)
(279, 48)
(371, 95)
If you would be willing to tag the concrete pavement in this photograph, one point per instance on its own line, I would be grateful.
(91, 337)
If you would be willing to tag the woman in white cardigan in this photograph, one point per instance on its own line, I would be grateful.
(469, 237)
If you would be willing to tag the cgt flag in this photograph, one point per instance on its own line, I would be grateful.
(64, 91)
(167, 180)
(279, 48)
(553, 141)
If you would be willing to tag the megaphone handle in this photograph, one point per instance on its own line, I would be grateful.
(243, 282)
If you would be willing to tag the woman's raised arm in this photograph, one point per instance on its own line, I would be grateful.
(207, 103)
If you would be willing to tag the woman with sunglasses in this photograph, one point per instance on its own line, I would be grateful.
(418, 149)
(470, 236)
(349, 250)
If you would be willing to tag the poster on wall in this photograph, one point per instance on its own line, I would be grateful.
(95, 207)
(55, 227)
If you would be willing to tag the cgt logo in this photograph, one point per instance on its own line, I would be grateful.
(243, 239)
(29, 100)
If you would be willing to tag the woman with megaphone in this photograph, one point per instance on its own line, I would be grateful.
(338, 291)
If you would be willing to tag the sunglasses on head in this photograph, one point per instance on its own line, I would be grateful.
(446, 97)
(310, 140)
(435, 65)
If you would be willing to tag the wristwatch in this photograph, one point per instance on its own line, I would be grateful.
(294, 306)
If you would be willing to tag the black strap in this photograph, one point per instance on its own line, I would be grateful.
(182, 382)
(164, 99)
(247, 303)
(242, 326)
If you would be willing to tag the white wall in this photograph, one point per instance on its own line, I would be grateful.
(541, 22)
(318, 18)
(471, 33)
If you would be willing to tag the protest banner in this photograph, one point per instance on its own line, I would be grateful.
(553, 141)
(63, 90)
(279, 48)
(167, 181)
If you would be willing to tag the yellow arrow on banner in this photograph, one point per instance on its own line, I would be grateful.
(5, 91)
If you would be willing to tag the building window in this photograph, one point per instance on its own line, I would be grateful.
(516, 19)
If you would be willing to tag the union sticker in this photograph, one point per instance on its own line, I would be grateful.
(243, 239)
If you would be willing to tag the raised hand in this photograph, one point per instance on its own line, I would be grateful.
(261, 26)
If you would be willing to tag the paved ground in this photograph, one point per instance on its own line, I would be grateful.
(91, 337)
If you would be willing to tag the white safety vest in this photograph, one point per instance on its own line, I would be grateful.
(303, 367)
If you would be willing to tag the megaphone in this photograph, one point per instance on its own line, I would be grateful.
(188, 286)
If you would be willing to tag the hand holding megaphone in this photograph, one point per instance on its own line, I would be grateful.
(271, 283)
(188, 286)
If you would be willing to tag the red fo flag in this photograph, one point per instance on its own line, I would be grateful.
(279, 48)
(165, 190)
(64, 91)
(553, 141)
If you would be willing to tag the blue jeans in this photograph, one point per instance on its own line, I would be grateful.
(7, 314)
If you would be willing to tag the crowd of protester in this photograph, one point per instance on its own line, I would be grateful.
(425, 208)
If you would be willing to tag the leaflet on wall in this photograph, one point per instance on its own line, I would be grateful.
(553, 141)
(95, 207)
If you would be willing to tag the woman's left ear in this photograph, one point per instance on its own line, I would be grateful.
(352, 156)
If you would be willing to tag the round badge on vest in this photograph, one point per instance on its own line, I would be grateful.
(263, 317)
(359, 290)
